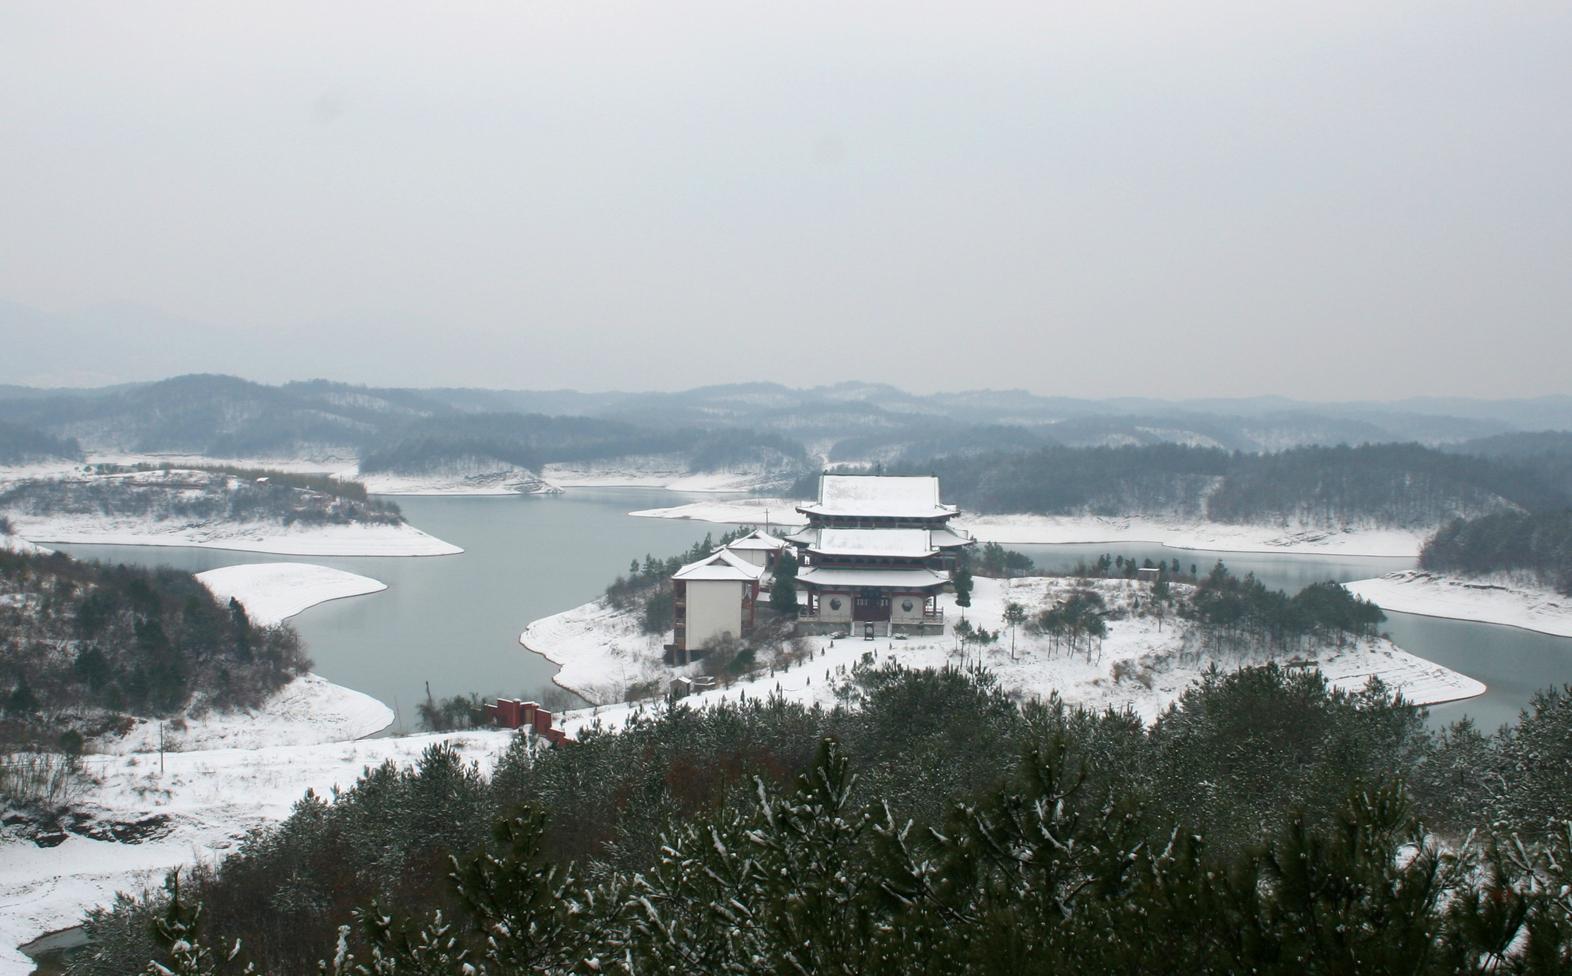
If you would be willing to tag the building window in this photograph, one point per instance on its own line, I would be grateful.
(906, 605)
(835, 603)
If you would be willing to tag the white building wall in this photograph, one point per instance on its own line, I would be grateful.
(754, 556)
(900, 615)
(830, 613)
(714, 608)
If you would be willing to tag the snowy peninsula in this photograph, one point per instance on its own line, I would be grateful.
(1144, 663)
(274, 592)
(211, 509)
(1507, 602)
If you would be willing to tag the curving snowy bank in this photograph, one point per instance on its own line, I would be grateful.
(274, 592)
(1509, 603)
(355, 539)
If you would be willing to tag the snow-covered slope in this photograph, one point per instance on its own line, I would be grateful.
(1145, 662)
(1508, 602)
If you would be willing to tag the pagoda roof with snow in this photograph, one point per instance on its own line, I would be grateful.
(720, 565)
(908, 543)
(879, 496)
(894, 543)
(757, 539)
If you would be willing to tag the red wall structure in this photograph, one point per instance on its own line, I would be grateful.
(511, 713)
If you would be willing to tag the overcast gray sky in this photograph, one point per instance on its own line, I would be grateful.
(1325, 200)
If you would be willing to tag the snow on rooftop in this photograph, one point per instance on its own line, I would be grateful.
(879, 495)
(947, 538)
(722, 564)
(915, 579)
(909, 543)
(757, 539)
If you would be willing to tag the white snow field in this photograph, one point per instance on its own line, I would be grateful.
(274, 592)
(1053, 530)
(355, 539)
(1144, 663)
(1491, 601)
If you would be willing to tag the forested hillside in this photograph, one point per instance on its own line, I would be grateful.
(1388, 484)
(199, 495)
(83, 645)
(1538, 545)
(224, 416)
(533, 441)
(1265, 824)
(19, 445)
(1545, 454)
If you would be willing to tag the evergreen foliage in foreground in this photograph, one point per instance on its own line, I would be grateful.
(1259, 827)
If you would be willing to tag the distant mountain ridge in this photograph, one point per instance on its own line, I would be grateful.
(224, 416)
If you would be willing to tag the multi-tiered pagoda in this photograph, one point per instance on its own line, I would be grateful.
(875, 556)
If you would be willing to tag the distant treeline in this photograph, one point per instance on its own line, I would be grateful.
(532, 441)
(1381, 484)
(83, 645)
(1539, 544)
(202, 495)
(1266, 823)
(19, 445)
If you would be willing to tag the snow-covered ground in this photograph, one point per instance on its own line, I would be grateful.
(1510, 602)
(213, 796)
(274, 592)
(601, 651)
(308, 711)
(1051, 530)
(1144, 663)
(355, 539)
(225, 772)
(156, 527)
(210, 798)
(15, 543)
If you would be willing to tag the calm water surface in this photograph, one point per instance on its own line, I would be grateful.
(454, 620)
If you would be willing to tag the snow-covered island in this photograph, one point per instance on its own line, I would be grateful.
(205, 508)
(1144, 663)
(1024, 529)
(1507, 601)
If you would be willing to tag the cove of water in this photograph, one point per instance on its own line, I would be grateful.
(454, 621)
